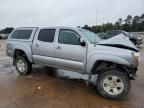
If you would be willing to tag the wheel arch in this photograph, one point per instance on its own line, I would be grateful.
(22, 52)
(96, 60)
(101, 66)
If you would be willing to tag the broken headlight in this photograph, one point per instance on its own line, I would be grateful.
(136, 55)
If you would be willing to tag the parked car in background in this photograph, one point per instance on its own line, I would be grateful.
(137, 40)
(139, 37)
(102, 35)
(114, 60)
(4, 36)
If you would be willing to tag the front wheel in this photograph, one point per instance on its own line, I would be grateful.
(23, 66)
(113, 84)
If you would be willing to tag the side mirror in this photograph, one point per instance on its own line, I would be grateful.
(82, 42)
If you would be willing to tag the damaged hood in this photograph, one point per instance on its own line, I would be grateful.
(119, 41)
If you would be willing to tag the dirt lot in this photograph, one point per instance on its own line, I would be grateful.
(51, 88)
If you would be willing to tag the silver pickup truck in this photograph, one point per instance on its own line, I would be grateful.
(115, 61)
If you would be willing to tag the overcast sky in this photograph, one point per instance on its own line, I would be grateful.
(44, 13)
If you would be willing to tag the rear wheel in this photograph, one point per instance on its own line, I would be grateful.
(113, 84)
(23, 66)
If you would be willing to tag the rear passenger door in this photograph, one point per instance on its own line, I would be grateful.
(43, 46)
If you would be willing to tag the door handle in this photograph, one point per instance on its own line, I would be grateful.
(37, 45)
(58, 47)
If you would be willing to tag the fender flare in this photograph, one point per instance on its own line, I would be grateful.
(104, 57)
(25, 50)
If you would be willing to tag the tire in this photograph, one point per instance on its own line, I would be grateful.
(113, 84)
(23, 66)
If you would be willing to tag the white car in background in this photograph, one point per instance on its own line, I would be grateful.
(4, 36)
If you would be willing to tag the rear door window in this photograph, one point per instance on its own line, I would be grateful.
(21, 34)
(46, 35)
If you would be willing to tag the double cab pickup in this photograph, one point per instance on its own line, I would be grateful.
(115, 61)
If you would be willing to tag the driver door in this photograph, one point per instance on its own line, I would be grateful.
(69, 54)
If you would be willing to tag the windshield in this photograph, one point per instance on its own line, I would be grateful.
(90, 36)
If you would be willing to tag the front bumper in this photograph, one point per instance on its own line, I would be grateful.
(131, 72)
(132, 75)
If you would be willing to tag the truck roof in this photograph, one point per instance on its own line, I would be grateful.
(48, 27)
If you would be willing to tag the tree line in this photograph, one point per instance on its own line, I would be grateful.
(7, 30)
(130, 24)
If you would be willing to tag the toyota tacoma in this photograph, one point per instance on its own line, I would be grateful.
(114, 60)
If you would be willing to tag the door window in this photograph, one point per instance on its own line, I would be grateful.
(68, 37)
(46, 35)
